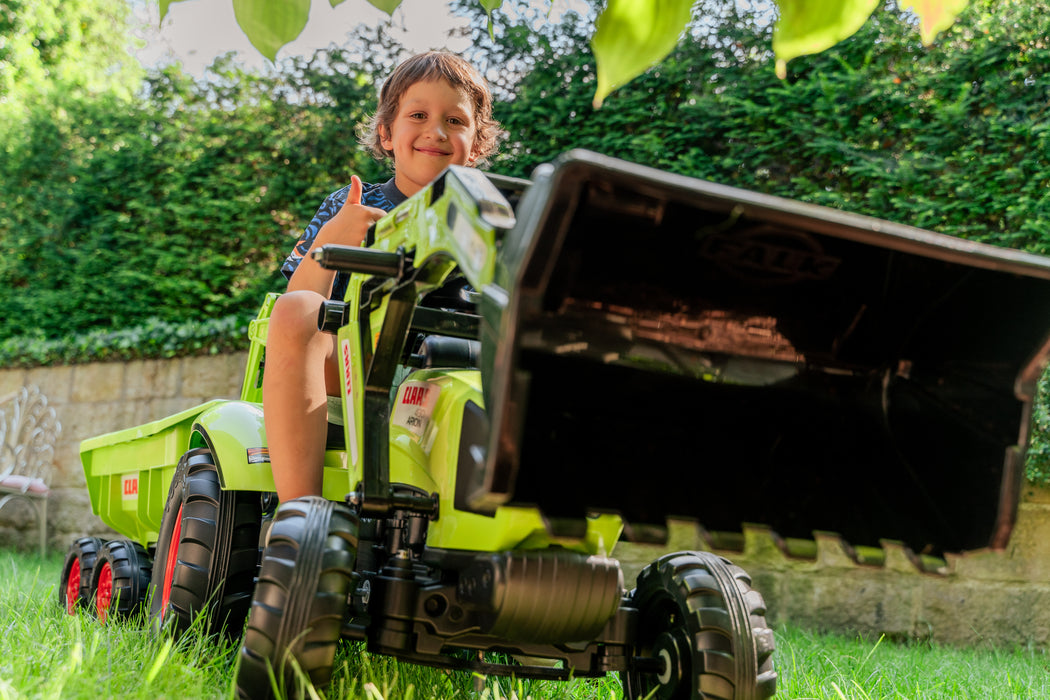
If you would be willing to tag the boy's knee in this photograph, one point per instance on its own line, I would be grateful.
(295, 314)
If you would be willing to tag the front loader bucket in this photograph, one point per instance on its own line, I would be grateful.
(661, 346)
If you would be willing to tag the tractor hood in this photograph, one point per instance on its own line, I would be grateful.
(659, 346)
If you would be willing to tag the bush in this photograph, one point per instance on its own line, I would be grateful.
(153, 340)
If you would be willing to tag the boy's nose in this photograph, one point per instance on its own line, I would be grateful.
(437, 128)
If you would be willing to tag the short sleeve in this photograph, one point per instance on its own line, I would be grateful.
(329, 207)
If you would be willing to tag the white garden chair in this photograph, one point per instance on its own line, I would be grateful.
(29, 429)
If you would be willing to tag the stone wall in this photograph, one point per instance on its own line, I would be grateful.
(98, 398)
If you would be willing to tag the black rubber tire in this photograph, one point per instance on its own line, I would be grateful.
(79, 565)
(120, 580)
(699, 613)
(300, 599)
(207, 552)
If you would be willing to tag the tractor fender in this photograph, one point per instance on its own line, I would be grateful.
(235, 434)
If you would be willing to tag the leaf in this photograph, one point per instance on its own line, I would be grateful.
(633, 35)
(935, 15)
(387, 6)
(810, 26)
(164, 4)
(490, 5)
(270, 24)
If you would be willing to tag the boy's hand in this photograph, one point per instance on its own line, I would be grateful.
(350, 224)
(348, 227)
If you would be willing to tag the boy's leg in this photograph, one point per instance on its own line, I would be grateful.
(300, 364)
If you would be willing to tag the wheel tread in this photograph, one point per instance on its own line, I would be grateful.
(299, 602)
(217, 552)
(724, 621)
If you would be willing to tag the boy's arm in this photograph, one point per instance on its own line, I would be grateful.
(348, 227)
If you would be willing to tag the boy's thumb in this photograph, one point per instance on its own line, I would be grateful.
(354, 197)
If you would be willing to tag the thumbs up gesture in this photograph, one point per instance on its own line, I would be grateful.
(350, 225)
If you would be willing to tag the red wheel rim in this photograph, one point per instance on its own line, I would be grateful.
(104, 594)
(169, 564)
(73, 587)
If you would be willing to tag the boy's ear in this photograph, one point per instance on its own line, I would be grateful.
(384, 137)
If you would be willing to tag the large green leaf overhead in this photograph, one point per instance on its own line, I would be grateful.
(936, 15)
(631, 36)
(810, 26)
(269, 24)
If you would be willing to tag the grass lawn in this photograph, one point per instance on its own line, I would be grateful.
(45, 653)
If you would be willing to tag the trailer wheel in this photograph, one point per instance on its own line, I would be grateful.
(700, 618)
(120, 579)
(74, 591)
(300, 600)
(208, 550)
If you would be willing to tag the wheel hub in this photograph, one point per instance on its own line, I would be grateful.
(104, 596)
(673, 649)
(73, 587)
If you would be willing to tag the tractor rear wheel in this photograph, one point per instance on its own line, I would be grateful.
(297, 611)
(208, 550)
(120, 579)
(74, 590)
(700, 618)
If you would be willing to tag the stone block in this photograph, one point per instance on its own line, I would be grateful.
(98, 382)
(91, 419)
(151, 379)
(202, 378)
(54, 382)
(11, 380)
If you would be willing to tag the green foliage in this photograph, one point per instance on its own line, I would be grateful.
(153, 339)
(181, 205)
(1037, 464)
(69, 47)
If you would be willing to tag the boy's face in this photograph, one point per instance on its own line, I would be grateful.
(433, 128)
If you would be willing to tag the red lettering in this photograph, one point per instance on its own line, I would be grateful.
(414, 396)
(346, 368)
(131, 487)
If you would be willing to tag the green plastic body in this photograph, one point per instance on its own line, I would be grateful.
(129, 472)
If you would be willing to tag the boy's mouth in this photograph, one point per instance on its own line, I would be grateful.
(431, 151)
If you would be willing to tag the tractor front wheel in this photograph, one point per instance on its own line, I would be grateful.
(703, 626)
(297, 611)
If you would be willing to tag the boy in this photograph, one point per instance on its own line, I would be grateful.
(434, 111)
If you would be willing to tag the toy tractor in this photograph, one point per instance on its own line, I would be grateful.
(524, 386)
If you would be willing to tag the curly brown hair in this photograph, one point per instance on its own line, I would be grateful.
(434, 65)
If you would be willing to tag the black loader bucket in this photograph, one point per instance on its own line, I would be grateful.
(659, 346)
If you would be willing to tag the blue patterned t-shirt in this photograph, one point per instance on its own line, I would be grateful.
(385, 196)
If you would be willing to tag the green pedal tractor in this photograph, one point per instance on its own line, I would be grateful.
(524, 386)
